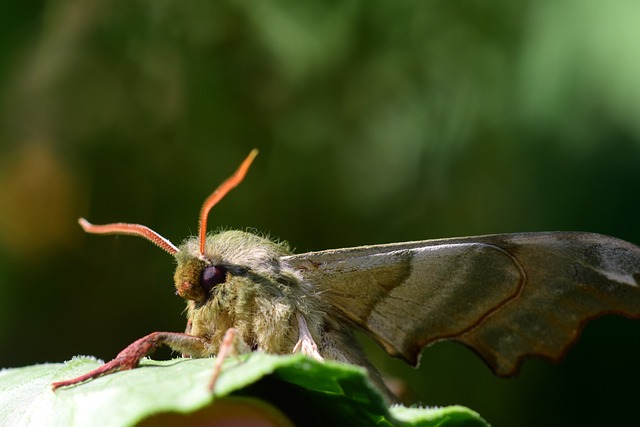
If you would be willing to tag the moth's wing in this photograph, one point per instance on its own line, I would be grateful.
(409, 295)
(505, 296)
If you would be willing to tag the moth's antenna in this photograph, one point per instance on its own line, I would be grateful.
(220, 192)
(130, 229)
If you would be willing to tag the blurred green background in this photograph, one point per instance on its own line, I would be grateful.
(377, 121)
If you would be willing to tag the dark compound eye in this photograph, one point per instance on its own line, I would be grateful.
(212, 275)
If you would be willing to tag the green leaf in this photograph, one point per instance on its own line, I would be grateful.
(286, 390)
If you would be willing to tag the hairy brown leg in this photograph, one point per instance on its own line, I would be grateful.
(226, 347)
(130, 357)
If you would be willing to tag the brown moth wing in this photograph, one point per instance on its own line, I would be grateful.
(571, 278)
(411, 296)
(505, 296)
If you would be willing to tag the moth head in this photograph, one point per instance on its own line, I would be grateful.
(196, 273)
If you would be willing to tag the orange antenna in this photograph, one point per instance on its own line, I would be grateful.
(220, 192)
(130, 229)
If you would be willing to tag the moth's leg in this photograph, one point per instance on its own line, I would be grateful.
(130, 357)
(226, 347)
(306, 344)
(231, 344)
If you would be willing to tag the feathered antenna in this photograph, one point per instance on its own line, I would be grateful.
(132, 230)
(220, 192)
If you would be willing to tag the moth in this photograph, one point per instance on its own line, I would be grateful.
(505, 296)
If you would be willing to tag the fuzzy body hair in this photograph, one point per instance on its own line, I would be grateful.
(261, 298)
